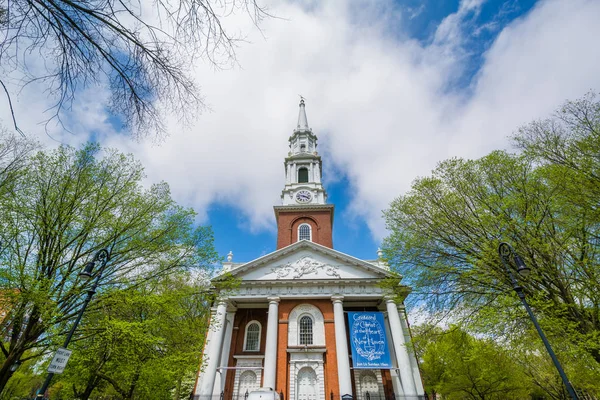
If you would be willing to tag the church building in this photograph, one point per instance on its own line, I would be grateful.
(307, 321)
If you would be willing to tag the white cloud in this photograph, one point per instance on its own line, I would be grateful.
(378, 101)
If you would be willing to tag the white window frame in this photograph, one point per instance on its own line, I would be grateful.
(246, 335)
(300, 167)
(309, 231)
(312, 329)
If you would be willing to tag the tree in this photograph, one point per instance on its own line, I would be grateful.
(459, 366)
(142, 50)
(66, 206)
(445, 232)
(14, 154)
(141, 343)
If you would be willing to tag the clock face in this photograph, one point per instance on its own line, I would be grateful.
(303, 196)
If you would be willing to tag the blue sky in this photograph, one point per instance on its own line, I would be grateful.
(391, 88)
(420, 20)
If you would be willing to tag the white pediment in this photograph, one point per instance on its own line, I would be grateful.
(308, 261)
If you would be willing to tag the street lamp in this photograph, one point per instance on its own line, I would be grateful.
(15, 366)
(505, 251)
(102, 257)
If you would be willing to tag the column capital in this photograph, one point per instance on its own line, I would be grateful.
(337, 298)
(221, 301)
(273, 299)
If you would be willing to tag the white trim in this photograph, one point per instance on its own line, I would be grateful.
(312, 329)
(309, 231)
(300, 167)
(315, 314)
(246, 335)
(247, 364)
(319, 249)
(360, 382)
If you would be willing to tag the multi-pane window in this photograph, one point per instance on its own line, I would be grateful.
(304, 232)
(252, 337)
(306, 330)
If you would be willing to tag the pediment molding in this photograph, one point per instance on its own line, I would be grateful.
(305, 266)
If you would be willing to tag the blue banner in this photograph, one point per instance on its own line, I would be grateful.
(368, 341)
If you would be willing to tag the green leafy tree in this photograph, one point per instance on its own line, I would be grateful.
(141, 343)
(458, 366)
(66, 206)
(445, 232)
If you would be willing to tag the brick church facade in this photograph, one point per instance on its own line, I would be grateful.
(285, 327)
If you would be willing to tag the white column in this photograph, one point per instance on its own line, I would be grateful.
(214, 349)
(413, 359)
(270, 370)
(341, 346)
(396, 385)
(402, 357)
(317, 172)
(224, 359)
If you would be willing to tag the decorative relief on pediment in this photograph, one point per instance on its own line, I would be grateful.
(320, 290)
(304, 266)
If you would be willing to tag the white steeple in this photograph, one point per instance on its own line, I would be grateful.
(302, 121)
(303, 166)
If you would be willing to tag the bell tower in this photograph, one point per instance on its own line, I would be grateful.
(304, 213)
(303, 166)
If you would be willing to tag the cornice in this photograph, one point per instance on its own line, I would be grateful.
(304, 207)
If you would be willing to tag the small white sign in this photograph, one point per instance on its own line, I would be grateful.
(59, 362)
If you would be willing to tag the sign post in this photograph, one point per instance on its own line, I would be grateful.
(59, 362)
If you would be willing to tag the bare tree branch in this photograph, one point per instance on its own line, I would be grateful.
(144, 60)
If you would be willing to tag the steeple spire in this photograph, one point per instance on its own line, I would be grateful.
(302, 121)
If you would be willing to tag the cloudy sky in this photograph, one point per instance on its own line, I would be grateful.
(391, 88)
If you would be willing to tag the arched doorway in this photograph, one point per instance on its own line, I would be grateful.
(248, 383)
(307, 384)
(369, 387)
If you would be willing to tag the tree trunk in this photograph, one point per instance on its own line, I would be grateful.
(5, 372)
(136, 377)
(91, 385)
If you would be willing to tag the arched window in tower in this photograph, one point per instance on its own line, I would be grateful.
(302, 148)
(305, 328)
(303, 175)
(252, 339)
(304, 232)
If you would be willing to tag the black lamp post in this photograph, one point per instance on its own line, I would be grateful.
(101, 257)
(505, 251)
(15, 366)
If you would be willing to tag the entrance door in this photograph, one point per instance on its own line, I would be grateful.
(247, 384)
(368, 384)
(307, 384)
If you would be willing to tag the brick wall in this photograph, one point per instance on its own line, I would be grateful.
(320, 222)
(242, 317)
(329, 358)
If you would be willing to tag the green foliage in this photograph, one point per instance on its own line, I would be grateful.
(65, 206)
(459, 366)
(141, 343)
(544, 201)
